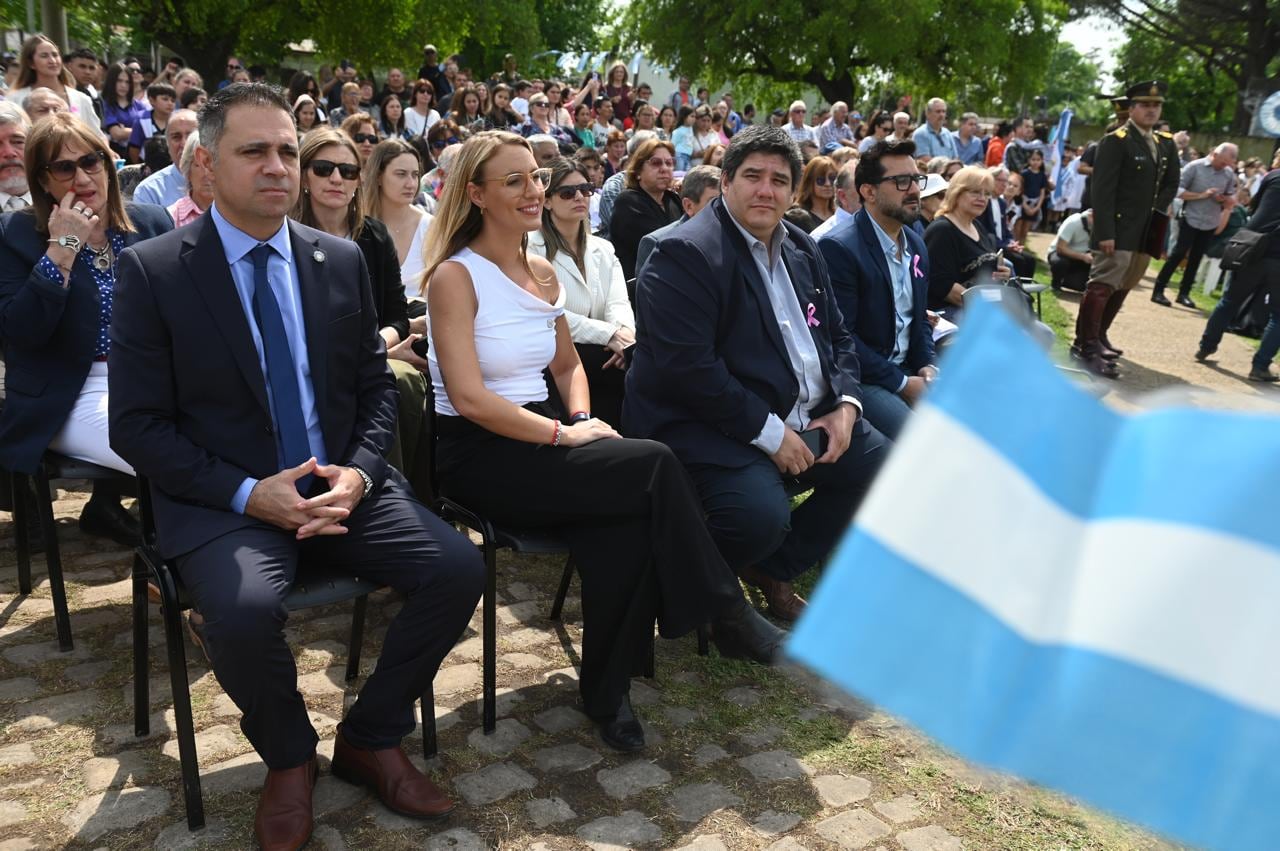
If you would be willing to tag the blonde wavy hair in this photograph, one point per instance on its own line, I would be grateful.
(969, 177)
(458, 221)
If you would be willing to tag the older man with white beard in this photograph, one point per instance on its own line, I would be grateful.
(14, 194)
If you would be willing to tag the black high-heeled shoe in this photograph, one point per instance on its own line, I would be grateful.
(622, 732)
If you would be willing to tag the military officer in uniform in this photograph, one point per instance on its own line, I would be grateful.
(1135, 174)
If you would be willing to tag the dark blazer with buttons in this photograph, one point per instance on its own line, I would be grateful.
(861, 283)
(188, 399)
(383, 262)
(49, 333)
(1128, 183)
(710, 364)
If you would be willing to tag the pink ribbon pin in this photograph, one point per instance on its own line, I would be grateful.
(813, 320)
(915, 266)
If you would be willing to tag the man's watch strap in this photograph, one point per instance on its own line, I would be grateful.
(368, 482)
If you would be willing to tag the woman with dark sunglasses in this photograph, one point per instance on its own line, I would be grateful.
(331, 201)
(360, 129)
(58, 263)
(596, 306)
(815, 198)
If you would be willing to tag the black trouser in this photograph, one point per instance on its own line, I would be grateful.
(1069, 272)
(1192, 244)
(238, 583)
(751, 518)
(635, 531)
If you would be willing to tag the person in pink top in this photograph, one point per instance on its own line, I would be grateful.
(199, 195)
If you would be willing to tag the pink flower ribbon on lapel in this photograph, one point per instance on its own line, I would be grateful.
(915, 266)
(813, 320)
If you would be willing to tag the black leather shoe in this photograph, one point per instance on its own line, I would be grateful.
(1264, 375)
(622, 732)
(109, 520)
(1203, 354)
(742, 633)
(1185, 301)
(1159, 298)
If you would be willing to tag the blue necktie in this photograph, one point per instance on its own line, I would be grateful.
(282, 376)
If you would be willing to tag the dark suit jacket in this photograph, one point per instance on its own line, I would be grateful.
(649, 240)
(987, 221)
(1128, 183)
(49, 334)
(383, 262)
(860, 280)
(710, 364)
(188, 399)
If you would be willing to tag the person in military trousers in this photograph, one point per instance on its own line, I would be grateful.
(1135, 176)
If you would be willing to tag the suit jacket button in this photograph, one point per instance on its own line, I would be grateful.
(270, 431)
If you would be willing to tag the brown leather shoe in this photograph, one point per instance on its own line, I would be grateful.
(784, 603)
(284, 818)
(401, 787)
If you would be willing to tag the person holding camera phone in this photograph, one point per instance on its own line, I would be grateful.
(331, 201)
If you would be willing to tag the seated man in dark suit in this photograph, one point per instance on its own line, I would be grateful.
(740, 348)
(250, 385)
(995, 220)
(880, 274)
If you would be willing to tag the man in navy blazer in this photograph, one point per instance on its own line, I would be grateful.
(739, 348)
(879, 271)
(250, 386)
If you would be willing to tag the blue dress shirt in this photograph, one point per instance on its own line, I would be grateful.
(899, 260)
(237, 244)
(931, 144)
(163, 188)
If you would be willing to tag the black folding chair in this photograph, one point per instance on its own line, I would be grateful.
(53, 466)
(313, 587)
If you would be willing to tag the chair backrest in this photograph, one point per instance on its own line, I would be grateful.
(1012, 300)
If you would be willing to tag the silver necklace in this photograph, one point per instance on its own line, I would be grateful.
(102, 257)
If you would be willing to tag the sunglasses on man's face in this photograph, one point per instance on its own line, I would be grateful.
(440, 144)
(324, 168)
(361, 138)
(568, 193)
(66, 169)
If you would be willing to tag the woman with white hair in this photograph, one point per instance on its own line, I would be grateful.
(199, 179)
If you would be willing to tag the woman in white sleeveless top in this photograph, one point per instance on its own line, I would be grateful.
(627, 507)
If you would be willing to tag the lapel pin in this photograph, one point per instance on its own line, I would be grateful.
(317, 256)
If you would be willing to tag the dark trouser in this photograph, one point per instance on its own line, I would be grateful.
(1265, 276)
(1192, 244)
(1024, 265)
(411, 393)
(751, 518)
(607, 385)
(1069, 272)
(238, 583)
(634, 527)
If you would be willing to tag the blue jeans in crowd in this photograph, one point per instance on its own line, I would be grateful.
(884, 409)
(1262, 277)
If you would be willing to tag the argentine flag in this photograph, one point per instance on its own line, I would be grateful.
(1087, 599)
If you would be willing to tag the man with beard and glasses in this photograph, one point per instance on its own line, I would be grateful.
(14, 194)
(880, 275)
(740, 350)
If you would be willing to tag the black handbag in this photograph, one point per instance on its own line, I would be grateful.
(1244, 249)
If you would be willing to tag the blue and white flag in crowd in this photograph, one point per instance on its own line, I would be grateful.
(1088, 599)
(1058, 137)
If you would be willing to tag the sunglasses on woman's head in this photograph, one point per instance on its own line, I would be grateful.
(439, 144)
(568, 193)
(365, 137)
(66, 169)
(324, 168)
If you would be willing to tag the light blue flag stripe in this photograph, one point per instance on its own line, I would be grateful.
(1148, 747)
(1163, 465)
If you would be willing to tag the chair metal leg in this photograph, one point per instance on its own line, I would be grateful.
(565, 579)
(490, 629)
(704, 640)
(357, 637)
(141, 648)
(182, 704)
(429, 744)
(649, 660)
(61, 616)
(20, 490)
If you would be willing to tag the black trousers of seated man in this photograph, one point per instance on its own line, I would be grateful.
(750, 515)
(238, 583)
(634, 528)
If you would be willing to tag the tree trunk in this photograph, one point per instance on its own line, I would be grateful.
(840, 89)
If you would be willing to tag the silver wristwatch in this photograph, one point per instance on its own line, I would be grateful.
(368, 482)
(69, 241)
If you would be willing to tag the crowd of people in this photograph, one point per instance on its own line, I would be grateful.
(642, 322)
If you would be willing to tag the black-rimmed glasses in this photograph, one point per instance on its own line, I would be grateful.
(902, 181)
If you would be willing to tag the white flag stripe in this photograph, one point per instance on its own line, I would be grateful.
(1056, 579)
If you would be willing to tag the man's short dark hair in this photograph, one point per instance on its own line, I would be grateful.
(698, 180)
(176, 60)
(871, 168)
(522, 86)
(761, 139)
(159, 90)
(82, 53)
(213, 117)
